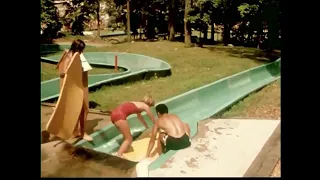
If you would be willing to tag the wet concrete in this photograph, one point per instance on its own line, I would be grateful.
(61, 159)
(222, 148)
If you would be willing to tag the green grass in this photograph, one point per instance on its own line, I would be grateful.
(191, 68)
(49, 71)
(264, 104)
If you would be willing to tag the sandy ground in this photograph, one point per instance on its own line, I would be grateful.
(93, 123)
(60, 159)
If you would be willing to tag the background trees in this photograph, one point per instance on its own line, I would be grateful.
(238, 22)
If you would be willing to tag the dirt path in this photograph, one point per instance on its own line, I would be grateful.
(93, 123)
(58, 161)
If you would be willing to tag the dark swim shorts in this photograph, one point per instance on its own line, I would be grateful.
(172, 143)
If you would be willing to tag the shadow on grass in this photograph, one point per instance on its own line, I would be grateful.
(249, 53)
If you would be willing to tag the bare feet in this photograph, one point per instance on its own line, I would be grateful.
(116, 154)
(87, 137)
(76, 133)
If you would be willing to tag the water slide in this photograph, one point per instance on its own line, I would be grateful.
(192, 107)
(136, 67)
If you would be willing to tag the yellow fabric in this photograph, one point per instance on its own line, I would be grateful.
(139, 147)
(66, 113)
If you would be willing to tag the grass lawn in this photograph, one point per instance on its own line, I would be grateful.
(191, 68)
(48, 71)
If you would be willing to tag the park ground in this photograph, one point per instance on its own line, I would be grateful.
(191, 67)
(264, 104)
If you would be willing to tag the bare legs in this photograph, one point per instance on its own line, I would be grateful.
(81, 121)
(161, 143)
(85, 107)
(123, 127)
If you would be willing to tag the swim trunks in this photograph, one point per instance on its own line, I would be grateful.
(172, 143)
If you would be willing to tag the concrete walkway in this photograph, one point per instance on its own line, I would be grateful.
(225, 148)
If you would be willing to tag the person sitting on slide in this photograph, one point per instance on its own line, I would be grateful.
(176, 133)
(119, 119)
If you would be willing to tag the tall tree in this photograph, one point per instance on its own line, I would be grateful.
(187, 27)
(50, 23)
(172, 7)
(98, 18)
(128, 22)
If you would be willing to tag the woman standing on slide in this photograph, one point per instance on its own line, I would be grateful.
(78, 46)
(119, 119)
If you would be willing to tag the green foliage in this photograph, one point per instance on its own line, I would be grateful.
(200, 13)
(50, 23)
(156, 15)
(79, 12)
(246, 9)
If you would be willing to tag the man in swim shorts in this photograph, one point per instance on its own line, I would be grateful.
(176, 134)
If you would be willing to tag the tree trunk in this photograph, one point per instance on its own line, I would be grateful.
(273, 29)
(212, 32)
(171, 20)
(128, 22)
(142, 26)
(187, 28)
(205, 34)
(226, 34)
(98, 19)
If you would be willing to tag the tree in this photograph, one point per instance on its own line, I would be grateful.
(260, 15)
(50, 23)
(128, 22)
(98, 17)
(172, 7)
(187, 27)
(200, 16)
(79, 11)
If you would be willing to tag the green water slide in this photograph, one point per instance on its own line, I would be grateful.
(136, 67)
(111, 34)
(192, 107)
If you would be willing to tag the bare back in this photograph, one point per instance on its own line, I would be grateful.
(172, 125)
(140, 105)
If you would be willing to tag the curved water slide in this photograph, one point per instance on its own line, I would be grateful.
(192, 107)
(136, 67)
